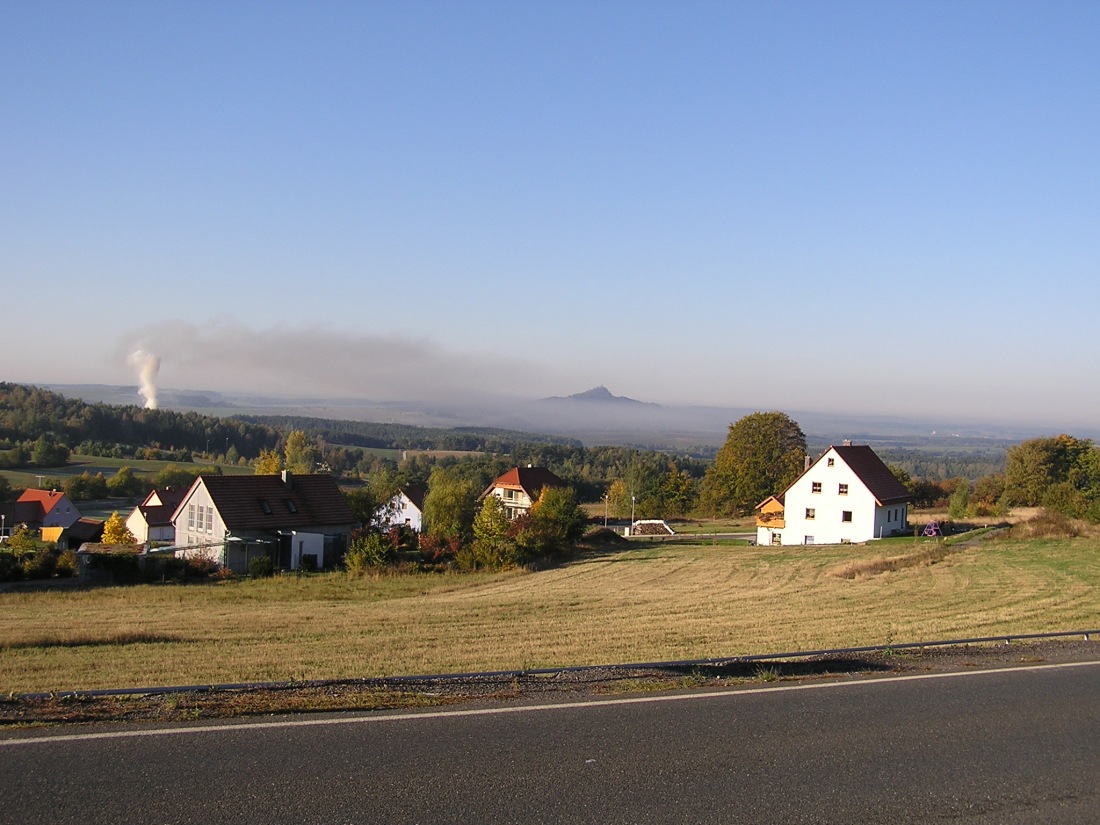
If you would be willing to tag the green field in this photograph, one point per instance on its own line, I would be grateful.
(639, 602)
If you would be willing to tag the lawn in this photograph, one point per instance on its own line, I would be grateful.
(638, 603)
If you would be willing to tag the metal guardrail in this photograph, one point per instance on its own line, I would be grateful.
(1006, 638)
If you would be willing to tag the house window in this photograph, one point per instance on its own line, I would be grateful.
(210, 519)
(808, 540)
(190, 516)
(843, 489)
(815, 487)
(830, 462)
(846, 516)
(777, 538)
(810, 514)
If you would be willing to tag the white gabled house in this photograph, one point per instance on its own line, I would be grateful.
(405, 509)
(288, 518)
(847, 495)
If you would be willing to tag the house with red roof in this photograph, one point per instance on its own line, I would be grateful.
(295, 520)
(45, 508)
(847, 495)
(519, 488)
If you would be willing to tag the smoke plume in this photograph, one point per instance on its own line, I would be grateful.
(147, 365)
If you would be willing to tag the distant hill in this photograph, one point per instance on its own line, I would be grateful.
(599, 395)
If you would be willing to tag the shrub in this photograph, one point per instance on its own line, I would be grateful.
(10, 568)
(368, 551)
(261, 567)
(204, 567)
(123, 567)
(39, 565)
(307, 564)
(67, 564)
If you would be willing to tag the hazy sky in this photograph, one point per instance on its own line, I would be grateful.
(874, 207)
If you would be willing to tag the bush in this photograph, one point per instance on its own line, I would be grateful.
(123, 567)
(261, 567)
(10, 568)
(67, 564)
(307, 564)
(368, 551)
(39, 565)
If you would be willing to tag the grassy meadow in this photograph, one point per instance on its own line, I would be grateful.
(638, 602)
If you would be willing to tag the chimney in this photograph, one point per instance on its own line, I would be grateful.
(847, 442)
(288, 479)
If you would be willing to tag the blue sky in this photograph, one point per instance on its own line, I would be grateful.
(879, 208)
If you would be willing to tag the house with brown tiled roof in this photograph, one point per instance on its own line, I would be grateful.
(847, 495)
(295, 520)
(44, 508)
(151, 521)
(519, 488)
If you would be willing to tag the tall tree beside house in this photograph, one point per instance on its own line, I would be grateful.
(449, 505)
(301, 456)
(763, 453)
(492, 547)
(270, 463)
(115, 531)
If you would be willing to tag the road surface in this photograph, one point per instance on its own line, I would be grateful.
(1020, 745)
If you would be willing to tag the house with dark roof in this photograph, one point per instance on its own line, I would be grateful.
(405, 509)
(295, 520)
(45, 508)
(847, 495)
(519, 488)
(151, 521)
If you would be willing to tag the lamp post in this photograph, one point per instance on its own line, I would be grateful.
(605, 497)
(632, 500)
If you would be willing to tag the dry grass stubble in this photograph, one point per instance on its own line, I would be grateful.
(640, 604)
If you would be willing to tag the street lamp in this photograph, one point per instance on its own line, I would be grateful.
(632, 500)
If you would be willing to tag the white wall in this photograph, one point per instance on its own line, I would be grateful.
(827, 525)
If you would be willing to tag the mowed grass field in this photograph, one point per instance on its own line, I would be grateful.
(639, 602)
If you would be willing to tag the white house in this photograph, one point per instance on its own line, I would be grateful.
(288, 518)
(847, 495)
(151, 521)
(406, 508)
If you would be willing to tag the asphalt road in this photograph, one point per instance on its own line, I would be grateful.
(1018, 746)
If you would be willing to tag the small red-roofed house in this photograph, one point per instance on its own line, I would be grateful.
(45, 508)
(519, 488)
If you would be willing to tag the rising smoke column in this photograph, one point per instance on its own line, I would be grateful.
(147, 365)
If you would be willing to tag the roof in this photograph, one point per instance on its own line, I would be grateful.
(84, 530)
(167, 496)
(528, 479)
(34, 504)
(415, 493)
(874, 474)
(157, 515)
(270, 502)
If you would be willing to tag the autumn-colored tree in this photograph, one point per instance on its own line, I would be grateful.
(270, 463)
(618, 499)
(677, 491)
(115, 531)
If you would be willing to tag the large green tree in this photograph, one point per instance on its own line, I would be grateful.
(449, 505)
(762, 454)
